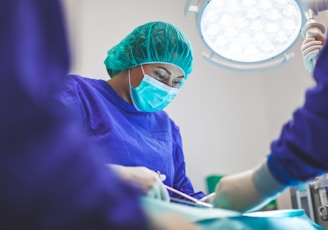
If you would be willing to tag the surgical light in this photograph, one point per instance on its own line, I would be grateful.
(250, 35)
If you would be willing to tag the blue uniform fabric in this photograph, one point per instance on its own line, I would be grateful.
(48, 179)
(127, 136)
(300, 153)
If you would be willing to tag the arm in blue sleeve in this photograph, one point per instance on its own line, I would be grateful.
(300, 153)
(47, 178)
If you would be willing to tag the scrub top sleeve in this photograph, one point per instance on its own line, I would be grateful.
(300, 153)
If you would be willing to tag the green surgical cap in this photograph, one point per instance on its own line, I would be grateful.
(150, 43)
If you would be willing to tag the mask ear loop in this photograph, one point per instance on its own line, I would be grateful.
(130, 87)
(129, 79)
(142, 69)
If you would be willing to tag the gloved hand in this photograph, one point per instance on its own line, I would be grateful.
(208, 199)
(147, 180)
(158, 191)
(314, 41)
(247, 191)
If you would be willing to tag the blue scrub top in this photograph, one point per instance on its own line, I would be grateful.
(127, 136)
(48, 178)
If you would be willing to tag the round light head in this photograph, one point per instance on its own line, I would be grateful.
(249, 31)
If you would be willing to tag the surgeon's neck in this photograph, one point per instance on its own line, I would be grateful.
(120, 83)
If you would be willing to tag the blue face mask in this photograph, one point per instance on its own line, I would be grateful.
(151, 95)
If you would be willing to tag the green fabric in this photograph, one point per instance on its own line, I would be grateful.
(150, 43)
(211, 182)
(215, 218)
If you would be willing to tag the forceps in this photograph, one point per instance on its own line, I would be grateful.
(194, 200)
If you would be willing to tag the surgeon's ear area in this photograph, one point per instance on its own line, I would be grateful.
(136, 76)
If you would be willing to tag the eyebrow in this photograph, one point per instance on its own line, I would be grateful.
(168, 72)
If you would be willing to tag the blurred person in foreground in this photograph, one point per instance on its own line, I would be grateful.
(49, 179)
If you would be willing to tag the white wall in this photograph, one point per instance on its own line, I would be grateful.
(227, 119)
